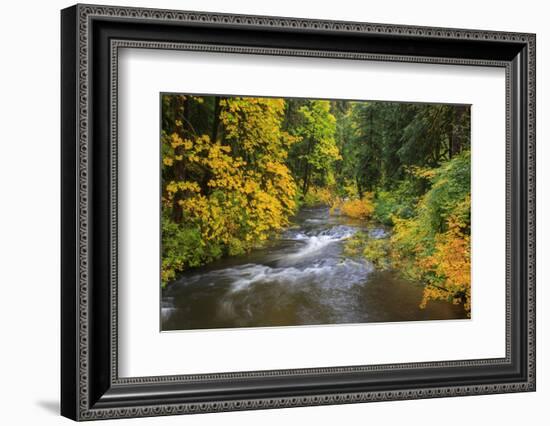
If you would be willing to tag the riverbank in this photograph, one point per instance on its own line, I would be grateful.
(304, 277)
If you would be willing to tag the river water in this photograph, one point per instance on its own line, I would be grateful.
(300, 278)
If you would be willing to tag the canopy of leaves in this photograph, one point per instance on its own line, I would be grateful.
(232, 193)
(236, 169)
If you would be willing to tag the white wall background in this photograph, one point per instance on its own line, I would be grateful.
(29, 212)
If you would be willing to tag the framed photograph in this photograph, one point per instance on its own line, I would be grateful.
(263, 212)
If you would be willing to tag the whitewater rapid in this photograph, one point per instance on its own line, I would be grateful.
(301, 277)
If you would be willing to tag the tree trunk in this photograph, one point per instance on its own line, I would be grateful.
(305, 185)
(450, 133)
(359, 187)
(456, 142)
(207, 175)
(307, 171)
(216, 123)
(179, 166)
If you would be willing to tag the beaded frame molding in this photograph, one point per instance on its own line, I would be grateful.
(91, 39)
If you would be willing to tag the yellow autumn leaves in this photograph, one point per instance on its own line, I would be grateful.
(234, 199)
(430, 242)
(234, 169)
(433, 246)
(362, 208)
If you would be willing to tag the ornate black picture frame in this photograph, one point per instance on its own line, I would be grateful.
(91, 387)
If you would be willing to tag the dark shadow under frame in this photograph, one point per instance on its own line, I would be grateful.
(91, 37)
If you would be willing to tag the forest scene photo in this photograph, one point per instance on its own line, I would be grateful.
(298, 211)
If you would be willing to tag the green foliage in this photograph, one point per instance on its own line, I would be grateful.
(382, 139)
(438, 231)
(318, 130)
(430, 242)
(314, 156)
(235, 170)
(450, 186)
(437, 133)
(400, 202)
(375, 250)
(182, 248)
(228, 191)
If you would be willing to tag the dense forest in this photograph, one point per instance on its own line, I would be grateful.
(235, 170)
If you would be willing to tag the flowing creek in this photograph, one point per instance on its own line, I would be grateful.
(300, 278)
